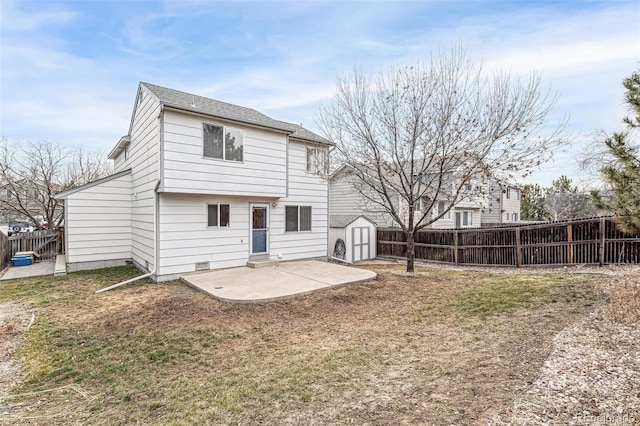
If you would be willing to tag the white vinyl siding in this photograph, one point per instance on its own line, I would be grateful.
(143, 157)
(98, 222)
(262, 173)
(346, 201)
(304, 190)
(185, 238)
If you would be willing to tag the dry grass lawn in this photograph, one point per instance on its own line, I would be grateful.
(440, 348)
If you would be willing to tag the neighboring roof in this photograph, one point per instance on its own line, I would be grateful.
(65, 194)
(194, 103)
(341, 221)
(120, 146)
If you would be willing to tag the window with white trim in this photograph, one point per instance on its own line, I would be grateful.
(224, 143)
(218, 215)
(442, 206)
(317, 161)
(297, 218)
(467, 218)
(508, 193)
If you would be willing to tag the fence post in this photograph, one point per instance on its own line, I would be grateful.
(570, 242)
(455, 246)
(602, 229)
(518, 249)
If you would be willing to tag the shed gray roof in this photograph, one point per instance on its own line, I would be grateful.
(340, 221)
(224, 110)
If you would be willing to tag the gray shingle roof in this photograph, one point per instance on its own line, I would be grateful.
(215, 108)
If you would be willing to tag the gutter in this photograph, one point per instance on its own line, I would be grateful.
(155, 248)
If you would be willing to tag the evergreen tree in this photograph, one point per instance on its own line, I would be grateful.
(622, 176)
(532, 204)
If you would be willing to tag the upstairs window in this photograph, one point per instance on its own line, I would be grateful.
(508, 193)
(218, 215)
(467, 218)
(317, 161)
(221, 142)
(298, 218)
(441, 208)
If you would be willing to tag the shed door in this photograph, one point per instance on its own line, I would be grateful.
(361, 243)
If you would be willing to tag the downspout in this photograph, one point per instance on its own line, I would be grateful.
(155, 247)
(329, 249)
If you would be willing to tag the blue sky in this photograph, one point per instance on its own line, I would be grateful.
(69, 70)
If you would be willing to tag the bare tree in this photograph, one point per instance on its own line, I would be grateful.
(563, 200)
(437, 132)
(31, 175)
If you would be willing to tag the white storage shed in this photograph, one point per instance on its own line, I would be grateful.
(352, 238)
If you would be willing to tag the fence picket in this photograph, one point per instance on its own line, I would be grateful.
(582, 241)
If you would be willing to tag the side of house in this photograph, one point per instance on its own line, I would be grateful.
(212, 185)
(502, 206)
(98, 223)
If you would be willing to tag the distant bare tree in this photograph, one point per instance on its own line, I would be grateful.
(32, 174)
(563, 200)
(437, 132)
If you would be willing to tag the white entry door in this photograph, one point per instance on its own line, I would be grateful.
(259, 224)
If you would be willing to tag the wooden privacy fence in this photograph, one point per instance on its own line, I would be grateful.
(4, 251)
(45, 242)
(584, 241)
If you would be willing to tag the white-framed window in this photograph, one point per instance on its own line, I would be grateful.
(297, 218)
(317, 161)
(221, 142)
(508, 193)
(467, 218)
(442, 206)
(514, 217)
(517, 195)
(218, 215)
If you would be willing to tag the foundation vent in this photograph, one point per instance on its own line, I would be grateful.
(202, 266)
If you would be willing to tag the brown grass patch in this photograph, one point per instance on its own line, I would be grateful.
(442, 347)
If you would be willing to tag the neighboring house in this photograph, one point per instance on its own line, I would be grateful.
(201, 184)
(502, 205)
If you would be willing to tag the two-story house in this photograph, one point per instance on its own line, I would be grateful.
(201, 184)
(502, 205)
(482, 207)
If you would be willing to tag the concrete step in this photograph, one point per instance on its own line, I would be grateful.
(61, 266)
(262, 263)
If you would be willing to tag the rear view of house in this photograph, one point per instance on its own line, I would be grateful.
(201, 184)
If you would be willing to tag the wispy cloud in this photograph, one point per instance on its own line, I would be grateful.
(72, 67)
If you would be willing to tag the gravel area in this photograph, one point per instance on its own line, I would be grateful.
(592, 375)
(15, 319)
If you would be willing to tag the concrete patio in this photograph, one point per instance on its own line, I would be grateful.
(282, 281)
(43, 267)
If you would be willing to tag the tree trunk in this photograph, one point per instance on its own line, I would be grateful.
(411, 251)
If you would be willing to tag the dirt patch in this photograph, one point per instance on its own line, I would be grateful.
(15, 318)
